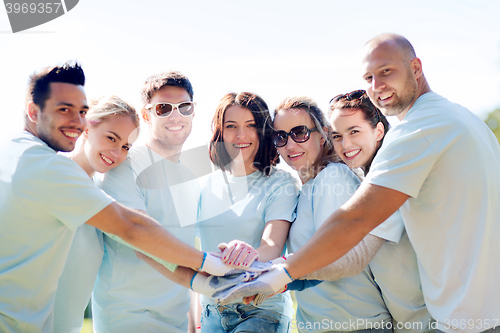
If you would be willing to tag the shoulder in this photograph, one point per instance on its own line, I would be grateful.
(281, 177)
(337, 173)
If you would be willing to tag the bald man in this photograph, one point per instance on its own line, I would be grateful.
(440, 166)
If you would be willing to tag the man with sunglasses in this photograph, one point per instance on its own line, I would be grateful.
(439, 167)
(129, 295)
(45, 196)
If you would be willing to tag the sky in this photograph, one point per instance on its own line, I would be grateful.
(273, 48)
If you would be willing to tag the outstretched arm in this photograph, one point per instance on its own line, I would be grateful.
(352, 263)
(345, 228)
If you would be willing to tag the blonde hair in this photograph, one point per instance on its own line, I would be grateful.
(104, 107)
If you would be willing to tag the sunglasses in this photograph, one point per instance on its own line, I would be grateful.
(352, 96)
(165, 109)
(298, 134)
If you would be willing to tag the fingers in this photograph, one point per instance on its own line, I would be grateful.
(238, 254)
(248, 300)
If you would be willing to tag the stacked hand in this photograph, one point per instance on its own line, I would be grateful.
(238, 254)
(268, 283)
(210, 285)
(213, 265)
(259, 298)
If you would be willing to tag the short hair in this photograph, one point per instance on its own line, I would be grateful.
(319, 120)
(267, 155)
(39, 82)
(157, 81)
(370, 113)
(103, 108)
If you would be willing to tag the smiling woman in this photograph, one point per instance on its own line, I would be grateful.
(246, 210)
(112, 127)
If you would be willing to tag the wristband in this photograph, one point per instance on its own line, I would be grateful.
(203, 262)
(192, 279)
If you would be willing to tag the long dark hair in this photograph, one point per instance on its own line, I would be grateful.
(370, 113)
(267, 155)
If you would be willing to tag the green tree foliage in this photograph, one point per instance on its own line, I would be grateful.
(493, 122)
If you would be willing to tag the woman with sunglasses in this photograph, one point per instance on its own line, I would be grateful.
(246, 210)
(112, 127)
(348, 299)
(358, 130)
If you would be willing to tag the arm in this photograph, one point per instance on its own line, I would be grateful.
(346, 227)
(146, 234)
(182, 275)
(273, 239)
(238, 253)
(352, 263)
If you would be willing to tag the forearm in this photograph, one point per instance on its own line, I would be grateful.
(146, 234)
(345, 228)
(352, 263)
(273, 240)
(181, 275)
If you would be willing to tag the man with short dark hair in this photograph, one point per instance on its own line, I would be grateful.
(45, 196)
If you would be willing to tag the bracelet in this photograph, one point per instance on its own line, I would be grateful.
(291, 278)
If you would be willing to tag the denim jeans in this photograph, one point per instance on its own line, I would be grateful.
(241, 318)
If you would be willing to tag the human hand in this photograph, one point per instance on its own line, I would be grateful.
(214, 266)
(259, 298)
(268, 283)
(209, 285)
(238, 254)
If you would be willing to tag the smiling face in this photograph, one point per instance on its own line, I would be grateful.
(240, 137)
(354, 138)
(168, 134)
(391, 84)
(108, 142)
(299, 156)
(62, 119)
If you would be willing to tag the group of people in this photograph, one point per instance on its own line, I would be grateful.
(379, 230)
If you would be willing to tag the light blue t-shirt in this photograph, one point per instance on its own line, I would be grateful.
(347, 304)
(395, 270)
(44, 197)
(129, 295)
(447, 160)
(239, 208)
(77, 279)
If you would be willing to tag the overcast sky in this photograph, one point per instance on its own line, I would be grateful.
(273, 48)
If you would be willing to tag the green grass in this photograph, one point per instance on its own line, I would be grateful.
(87, 326)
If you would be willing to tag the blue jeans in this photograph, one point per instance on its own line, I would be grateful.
(241, 318)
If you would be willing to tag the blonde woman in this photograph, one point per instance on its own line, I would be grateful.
(112, 128)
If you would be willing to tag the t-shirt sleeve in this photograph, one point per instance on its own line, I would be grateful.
(69, 194)
(282, 201)
(332, 188)
(404, 162)
(121, 184)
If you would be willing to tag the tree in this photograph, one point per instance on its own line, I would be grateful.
(493, 122)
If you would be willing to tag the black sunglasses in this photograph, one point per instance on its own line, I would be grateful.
(352, 96)
(298, 134)
(165, 109)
